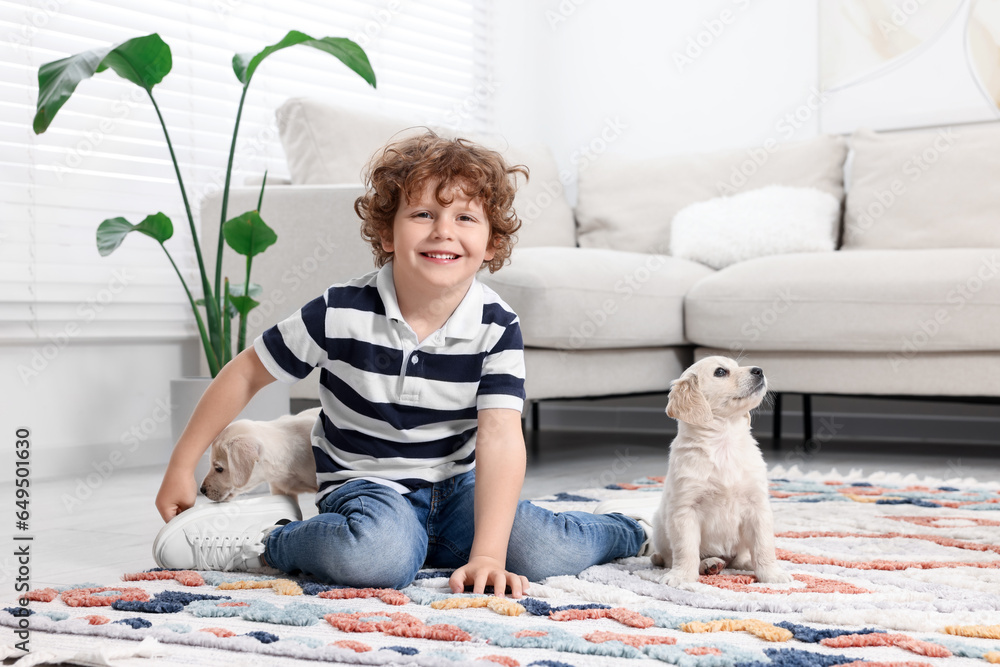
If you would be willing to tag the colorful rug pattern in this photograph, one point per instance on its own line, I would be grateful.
(888, 571)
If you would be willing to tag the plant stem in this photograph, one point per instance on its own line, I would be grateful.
(225, 190)
(260, 198)
(242, 339)
(213, 362)
(210, 304)
(227, 327)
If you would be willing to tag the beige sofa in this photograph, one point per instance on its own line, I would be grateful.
(909, 304)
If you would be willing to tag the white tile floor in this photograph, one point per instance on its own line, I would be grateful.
(110, 532)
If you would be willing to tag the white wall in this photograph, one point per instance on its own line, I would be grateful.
(85, 411)
(677, 77)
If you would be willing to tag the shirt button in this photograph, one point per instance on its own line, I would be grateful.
(414, 359)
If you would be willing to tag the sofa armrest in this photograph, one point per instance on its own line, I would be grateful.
(319, 243)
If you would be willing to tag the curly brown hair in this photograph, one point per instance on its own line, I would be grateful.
(405, 167)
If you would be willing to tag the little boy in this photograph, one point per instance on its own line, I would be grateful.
(419, 452)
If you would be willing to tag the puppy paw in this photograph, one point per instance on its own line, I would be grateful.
(677, 579)
(774, 576)
(711, 566)
(742, 564)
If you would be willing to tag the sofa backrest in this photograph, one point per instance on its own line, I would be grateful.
(327, 144)
(319, 243)
(628, 203)
(935, 188)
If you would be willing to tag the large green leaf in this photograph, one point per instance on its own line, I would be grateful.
(142, 60)
(349, 53)
(248, 234)
(243, 304)
(113, 231)
(235, 294)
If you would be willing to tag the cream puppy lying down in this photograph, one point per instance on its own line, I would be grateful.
(715, 510)
(248, 453)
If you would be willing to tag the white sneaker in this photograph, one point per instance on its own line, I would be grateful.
(640, 509)
(222, 536)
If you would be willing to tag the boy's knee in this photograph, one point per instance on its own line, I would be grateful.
(384, 554)
(536, 553)
(543, 544)
(541, 562)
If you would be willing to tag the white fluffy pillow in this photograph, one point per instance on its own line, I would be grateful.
(773, 220)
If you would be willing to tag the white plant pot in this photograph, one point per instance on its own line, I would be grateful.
(271, 402)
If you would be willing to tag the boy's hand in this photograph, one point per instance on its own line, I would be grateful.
(177, 493)
(229, 392)
(482, 571)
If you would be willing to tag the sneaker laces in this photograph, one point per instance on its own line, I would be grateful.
(227, 552)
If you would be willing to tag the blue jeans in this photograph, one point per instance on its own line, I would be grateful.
(368, 535)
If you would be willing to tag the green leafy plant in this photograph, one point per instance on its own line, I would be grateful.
(145, 61)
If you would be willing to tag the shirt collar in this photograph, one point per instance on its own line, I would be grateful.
(387, 292)
(468, 317)
(464, 323)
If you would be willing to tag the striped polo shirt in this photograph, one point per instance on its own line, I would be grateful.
(397, 411)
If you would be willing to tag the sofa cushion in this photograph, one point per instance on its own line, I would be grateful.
(578, 298)
(627, 204)
(927, 189)
(326, 144)
(872, 373)
(563, 374)
(900, 302)
(767, 221)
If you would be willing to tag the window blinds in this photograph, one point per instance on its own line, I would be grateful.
(104, 155)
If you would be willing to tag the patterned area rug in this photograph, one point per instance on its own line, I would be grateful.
(888, 571)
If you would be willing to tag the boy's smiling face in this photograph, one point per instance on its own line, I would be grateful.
(439, 246)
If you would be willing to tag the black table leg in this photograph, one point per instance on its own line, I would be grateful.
(807, 421)
(776, 423)
(533, 445)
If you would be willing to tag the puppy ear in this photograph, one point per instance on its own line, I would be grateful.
(687, 403)
(243, 454)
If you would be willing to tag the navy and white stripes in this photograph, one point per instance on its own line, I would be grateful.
(394, 411)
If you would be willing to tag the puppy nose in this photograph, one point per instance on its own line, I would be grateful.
(202, 489)
(756, 370)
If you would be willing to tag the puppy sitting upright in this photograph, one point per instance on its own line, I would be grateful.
(715, 509)
(248, 453)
